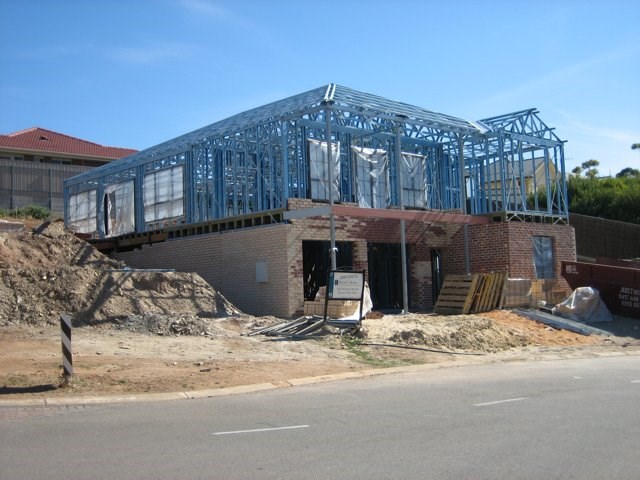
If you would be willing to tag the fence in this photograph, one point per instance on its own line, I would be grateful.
(28, 183)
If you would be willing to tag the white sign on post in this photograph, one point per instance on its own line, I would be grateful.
(346, 285)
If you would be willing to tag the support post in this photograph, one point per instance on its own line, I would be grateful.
(463, 202)
(332, 219)
(67, 352)
(403, 239)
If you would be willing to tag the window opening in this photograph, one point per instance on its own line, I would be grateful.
(543, 258)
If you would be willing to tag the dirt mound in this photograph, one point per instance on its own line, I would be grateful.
(453, 332)
(49, 271)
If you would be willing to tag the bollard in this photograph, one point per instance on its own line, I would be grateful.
(67, 352)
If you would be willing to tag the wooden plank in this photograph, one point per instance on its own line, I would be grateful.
(487, 294)
(469, 300)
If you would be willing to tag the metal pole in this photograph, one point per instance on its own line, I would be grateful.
(463, 202)
(332, 220)
(403, 239)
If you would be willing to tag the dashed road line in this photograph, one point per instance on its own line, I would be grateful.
(258, 430)
(497, 402)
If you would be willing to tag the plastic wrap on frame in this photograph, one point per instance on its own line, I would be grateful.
(318, 170)
(82, 211)
(543, 257)
(163, 194)
(372, 177)
(121, 214)
(414, 182)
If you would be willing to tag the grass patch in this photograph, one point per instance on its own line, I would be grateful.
(32, 211)
(354, 346)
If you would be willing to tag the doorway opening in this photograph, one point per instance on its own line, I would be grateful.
(437, 273)
(316, 263)
(385, 275)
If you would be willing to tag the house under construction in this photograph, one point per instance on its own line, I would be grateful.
(263, 203)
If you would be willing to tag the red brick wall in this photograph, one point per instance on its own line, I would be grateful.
(508, 246)
(421, 237)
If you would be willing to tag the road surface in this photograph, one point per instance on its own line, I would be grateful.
(566, 419)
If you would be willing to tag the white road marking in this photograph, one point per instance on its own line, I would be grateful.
(635, 381)
(499, 401)
(257, 430)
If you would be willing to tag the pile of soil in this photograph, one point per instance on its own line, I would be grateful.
(49, 271)
(459, 332)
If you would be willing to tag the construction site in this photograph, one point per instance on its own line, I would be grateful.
(263, 204)
(137, 331)
(203, 262)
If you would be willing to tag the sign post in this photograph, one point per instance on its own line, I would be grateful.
(344, 285)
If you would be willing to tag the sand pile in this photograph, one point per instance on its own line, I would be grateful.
(49, 271)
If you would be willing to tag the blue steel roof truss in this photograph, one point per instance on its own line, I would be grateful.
(256, 160)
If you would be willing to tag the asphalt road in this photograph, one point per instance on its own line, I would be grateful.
(567, 419)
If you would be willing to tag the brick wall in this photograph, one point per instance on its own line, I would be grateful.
(421, 238)
(227, 261)
(508, 246)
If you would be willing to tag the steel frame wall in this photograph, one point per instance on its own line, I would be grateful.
(256, 160)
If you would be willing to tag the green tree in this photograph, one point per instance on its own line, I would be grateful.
(590, 168)
(628, 172)
(613, 198)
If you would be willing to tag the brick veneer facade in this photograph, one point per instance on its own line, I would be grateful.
(228, 260)
(508, 247)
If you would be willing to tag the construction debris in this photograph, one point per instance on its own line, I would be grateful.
(299, 327)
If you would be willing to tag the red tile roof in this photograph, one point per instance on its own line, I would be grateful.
(41, 140)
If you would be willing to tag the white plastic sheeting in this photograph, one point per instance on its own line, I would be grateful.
(584, 305)
(164, 194)
(318, 161)
(82, 211)
(120, 217)
(372, 177)
(414, 180)
(543, 257)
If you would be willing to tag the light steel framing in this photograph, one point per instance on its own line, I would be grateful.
(254, 161)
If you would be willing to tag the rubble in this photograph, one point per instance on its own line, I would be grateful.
(48, 271)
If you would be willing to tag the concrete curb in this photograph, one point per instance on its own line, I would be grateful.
(259, 387)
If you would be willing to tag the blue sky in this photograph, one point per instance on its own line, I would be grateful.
(134, 73)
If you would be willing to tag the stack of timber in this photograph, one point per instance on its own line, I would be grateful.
(463, 294)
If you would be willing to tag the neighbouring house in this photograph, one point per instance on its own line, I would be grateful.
(263, 204)
(35, 162)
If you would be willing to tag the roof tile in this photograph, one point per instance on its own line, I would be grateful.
(43, 140)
